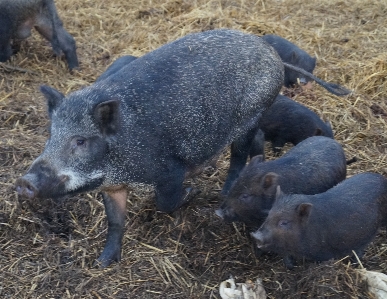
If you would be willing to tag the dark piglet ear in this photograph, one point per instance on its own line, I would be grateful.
(278, 192)
(106, 115)
(256, 160)
(278, 195)
(304, 211)
(54, 98)
(318, 132)
(294, 57)
(314, 59)
(269, 183)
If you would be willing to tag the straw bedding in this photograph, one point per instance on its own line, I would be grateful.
(47, 248)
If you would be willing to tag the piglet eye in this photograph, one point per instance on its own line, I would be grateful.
(244, 197)
(283, 223)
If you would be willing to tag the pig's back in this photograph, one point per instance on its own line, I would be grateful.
(201, 91)
(313, 166)
(348, 215)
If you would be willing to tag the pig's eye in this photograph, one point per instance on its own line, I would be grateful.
(244, 197)
(284, 224)
(80, 142)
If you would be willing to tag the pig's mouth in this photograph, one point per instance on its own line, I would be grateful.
(260, 241)
(263, 245)
(227, 215)
(89, 186)
(30, 186)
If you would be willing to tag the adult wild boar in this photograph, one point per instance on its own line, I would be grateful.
(18, 17)
(155, 119)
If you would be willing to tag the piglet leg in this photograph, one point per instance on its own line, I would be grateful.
(115, 208)
(289, 262)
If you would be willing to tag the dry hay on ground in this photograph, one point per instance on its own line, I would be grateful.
(47, 248)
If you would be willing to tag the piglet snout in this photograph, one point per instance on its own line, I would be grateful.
(259, 238)
(220, 213)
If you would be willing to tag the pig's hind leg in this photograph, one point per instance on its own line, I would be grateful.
(258, 145)
(115, 208)
(240, 150)
(169, 187)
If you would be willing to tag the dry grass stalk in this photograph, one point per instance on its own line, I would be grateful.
(47, 248)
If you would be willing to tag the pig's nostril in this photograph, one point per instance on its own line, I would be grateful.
(25, 188)
(30, 193)
(18, 189)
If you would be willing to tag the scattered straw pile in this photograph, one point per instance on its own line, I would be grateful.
(47, 249)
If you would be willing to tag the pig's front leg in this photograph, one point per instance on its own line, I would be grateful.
(115, 208)
(289, 262)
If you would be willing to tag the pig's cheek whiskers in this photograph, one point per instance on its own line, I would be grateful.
(75, 181)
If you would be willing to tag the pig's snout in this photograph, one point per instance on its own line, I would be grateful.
(226, 213)
(41, 181)
(303, 80)
(259, 238)
(26, 188)
(220, 213)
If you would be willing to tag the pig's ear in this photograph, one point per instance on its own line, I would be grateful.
(54, 98)
(269, 183)
(314, 59)
(277, 195)
(278, 192)
(294, 58)
(256, 160)
(106, 116)
(304, 211)
(318, 132)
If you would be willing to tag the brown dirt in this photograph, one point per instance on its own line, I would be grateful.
(47, 248)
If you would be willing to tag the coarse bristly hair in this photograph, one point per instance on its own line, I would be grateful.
(48, 249)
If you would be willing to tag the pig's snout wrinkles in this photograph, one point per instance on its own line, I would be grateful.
(26, 188)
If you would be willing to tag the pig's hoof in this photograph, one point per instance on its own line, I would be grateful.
(188, 195)
(289, 262)
(355, 258)
(106, 259)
